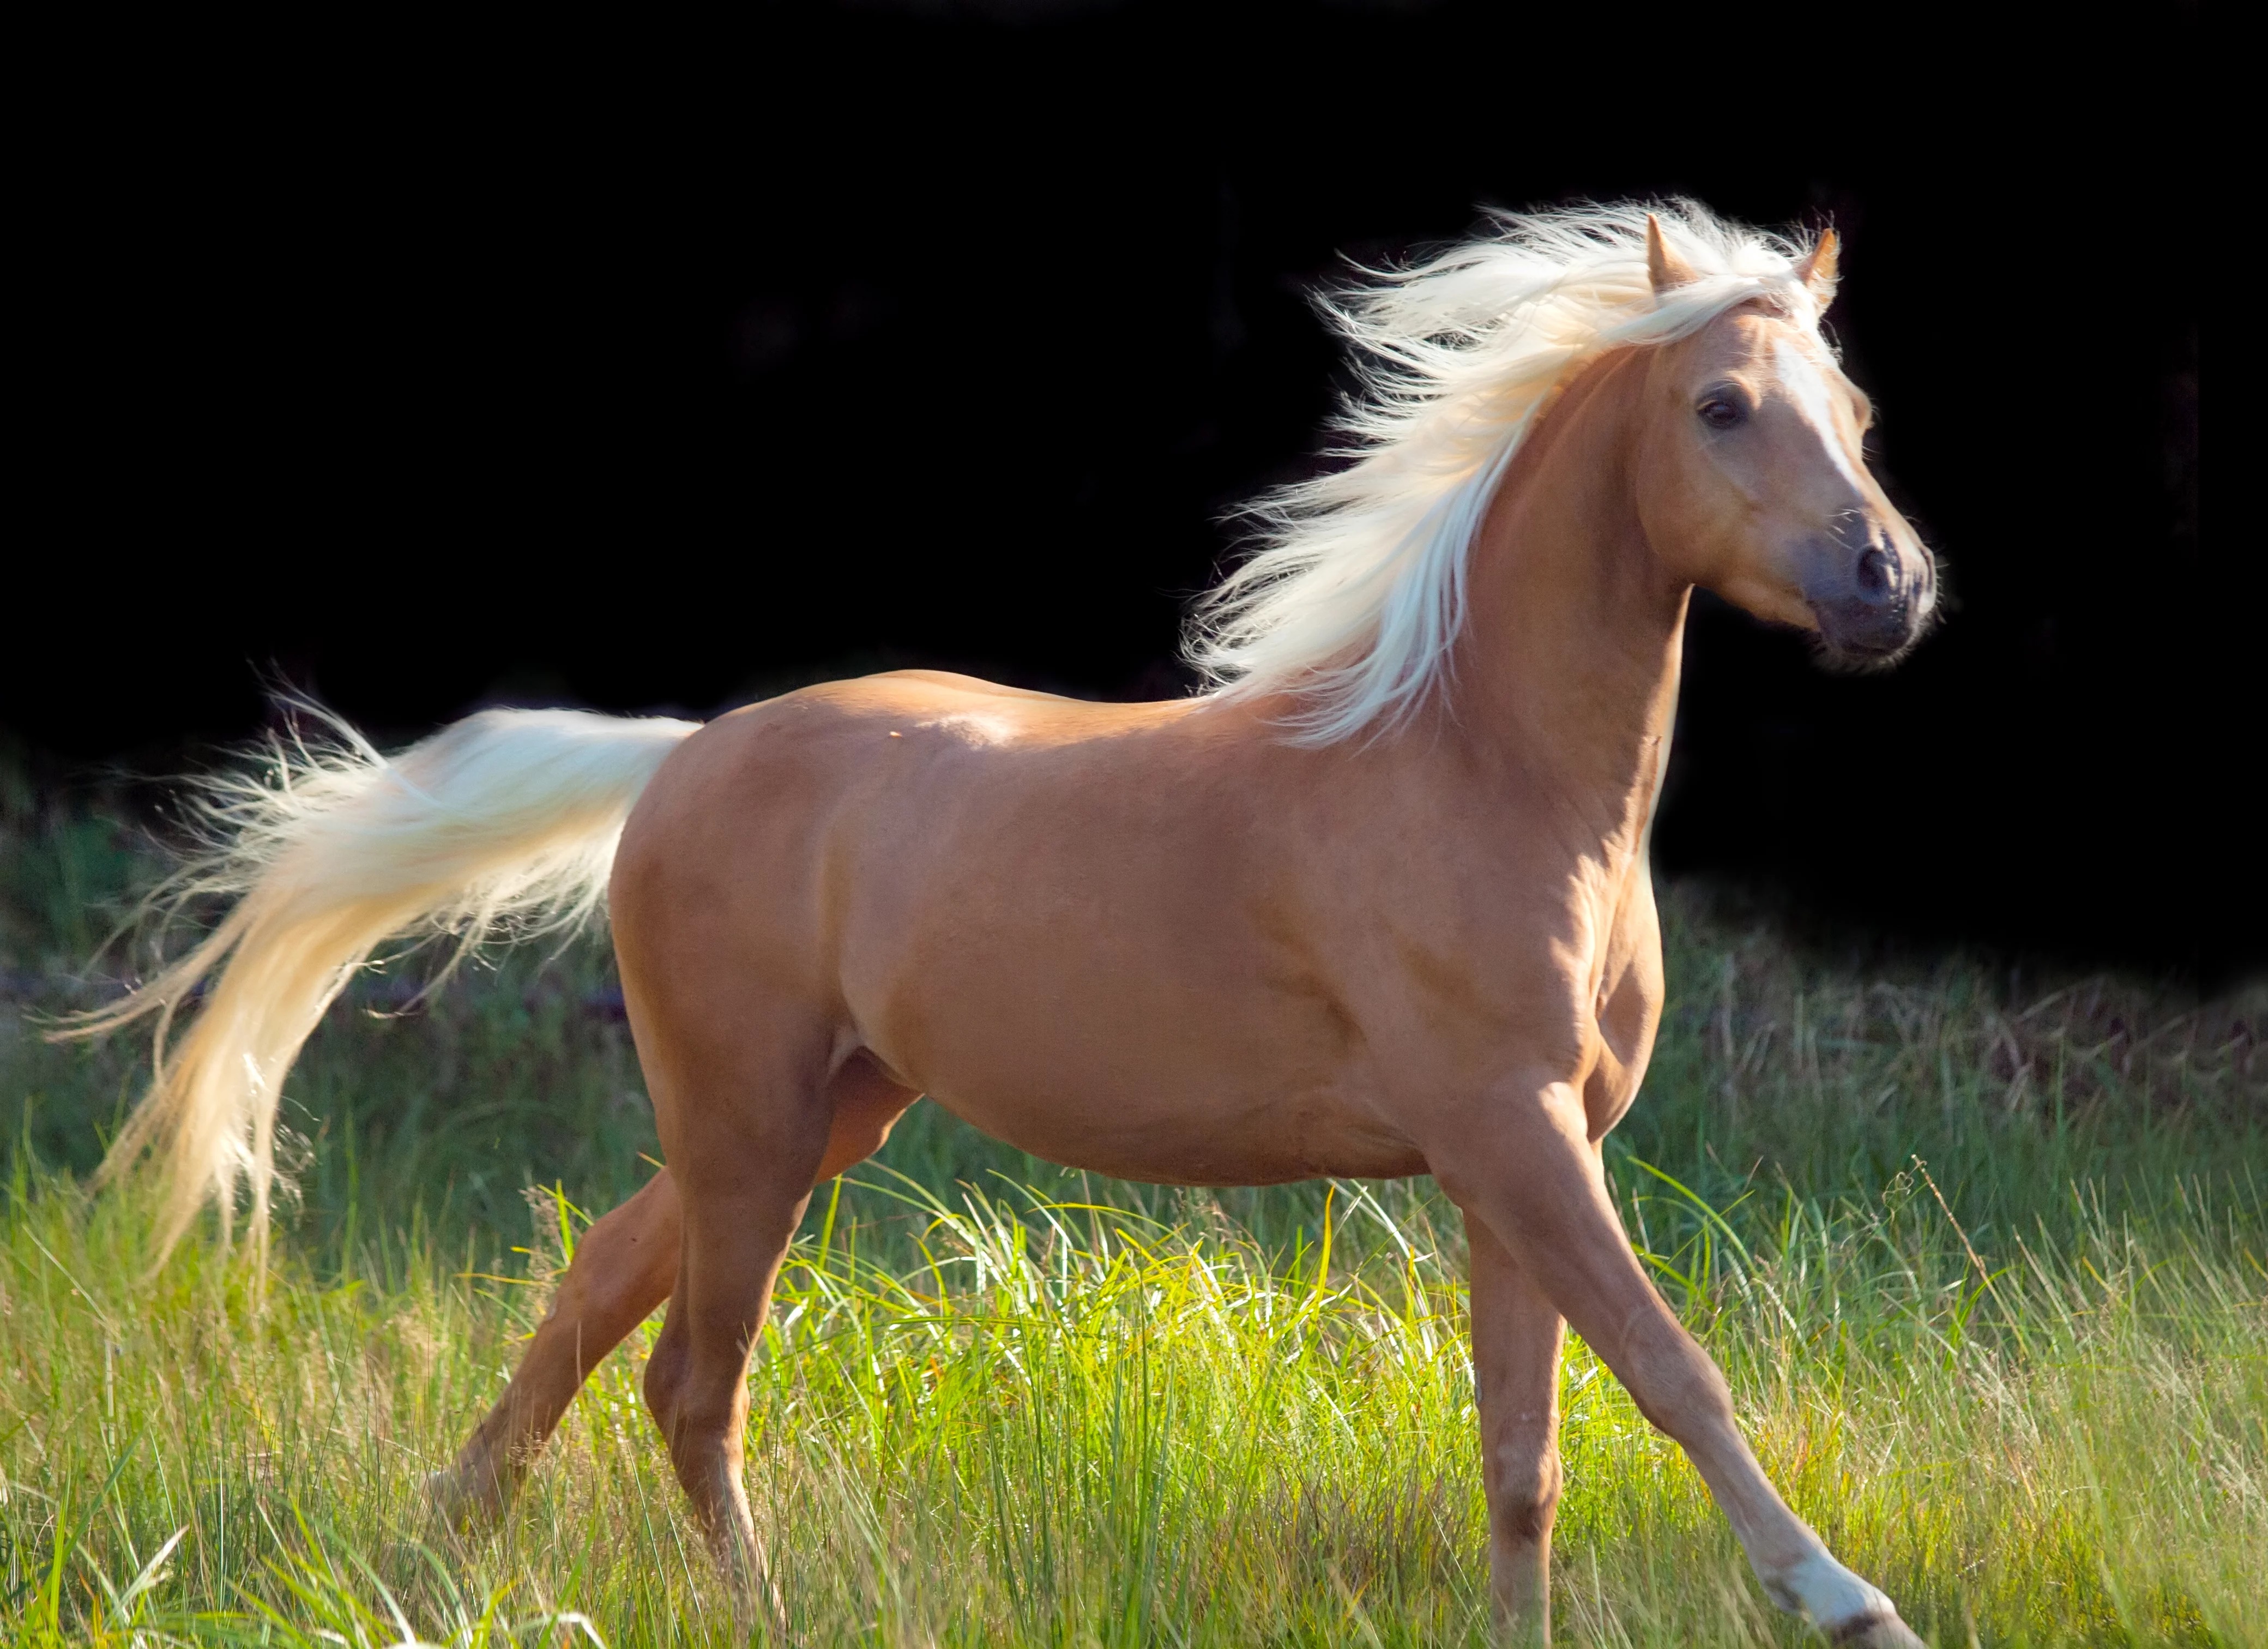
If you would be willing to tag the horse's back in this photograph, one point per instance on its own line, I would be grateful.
(1064, 920)
(876, 828)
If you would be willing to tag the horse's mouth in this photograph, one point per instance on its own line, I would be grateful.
(1865, 636)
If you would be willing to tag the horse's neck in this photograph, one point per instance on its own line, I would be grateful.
(1566, 671)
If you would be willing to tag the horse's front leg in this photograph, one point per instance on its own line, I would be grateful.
(1523, 1164)
(1516, 1338)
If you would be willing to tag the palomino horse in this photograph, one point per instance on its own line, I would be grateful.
(1378, 904)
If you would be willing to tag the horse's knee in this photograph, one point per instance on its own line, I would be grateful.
(1523, 1484)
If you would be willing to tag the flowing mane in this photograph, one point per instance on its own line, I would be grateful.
(1357, 589)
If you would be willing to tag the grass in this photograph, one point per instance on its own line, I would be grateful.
(1987, 1266)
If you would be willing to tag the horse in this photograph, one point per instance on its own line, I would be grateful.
(1375, 902)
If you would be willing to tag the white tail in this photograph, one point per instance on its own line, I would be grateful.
(505, 822)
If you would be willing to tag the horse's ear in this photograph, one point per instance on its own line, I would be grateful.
(1664, 266)
(1817, 271)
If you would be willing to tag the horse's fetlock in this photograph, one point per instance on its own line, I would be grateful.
(1524, 1485)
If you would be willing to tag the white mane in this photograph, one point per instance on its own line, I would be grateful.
(1356, 591)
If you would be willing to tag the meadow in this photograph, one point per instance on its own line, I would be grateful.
(1984, 1256)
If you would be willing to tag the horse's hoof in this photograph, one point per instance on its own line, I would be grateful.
(1875, 1631)
(441, 1498)
(452, 1506)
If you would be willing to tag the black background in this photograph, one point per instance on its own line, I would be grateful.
(420, 371)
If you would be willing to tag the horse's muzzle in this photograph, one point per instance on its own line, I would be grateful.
(1873, 605)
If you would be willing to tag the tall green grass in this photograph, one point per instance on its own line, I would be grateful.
(1987, 1266)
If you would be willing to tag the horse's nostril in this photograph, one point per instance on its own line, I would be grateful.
(1875, 573)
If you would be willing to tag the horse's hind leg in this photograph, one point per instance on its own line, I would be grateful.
(624, 1266)
(1516, 1339)
(745, 1188)
(749, 1123)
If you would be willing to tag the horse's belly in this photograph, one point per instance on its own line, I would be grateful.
(1193, 1141)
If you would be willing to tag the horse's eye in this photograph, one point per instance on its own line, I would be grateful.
(1720, 413)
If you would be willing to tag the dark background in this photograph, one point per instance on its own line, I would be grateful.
(418, 372)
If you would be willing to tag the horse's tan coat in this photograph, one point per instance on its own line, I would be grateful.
(1160, 941)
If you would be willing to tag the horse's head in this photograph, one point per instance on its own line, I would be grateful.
(1758, 483)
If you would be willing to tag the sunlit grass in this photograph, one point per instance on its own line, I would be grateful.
(1987, 1268)
(1072, 1424)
